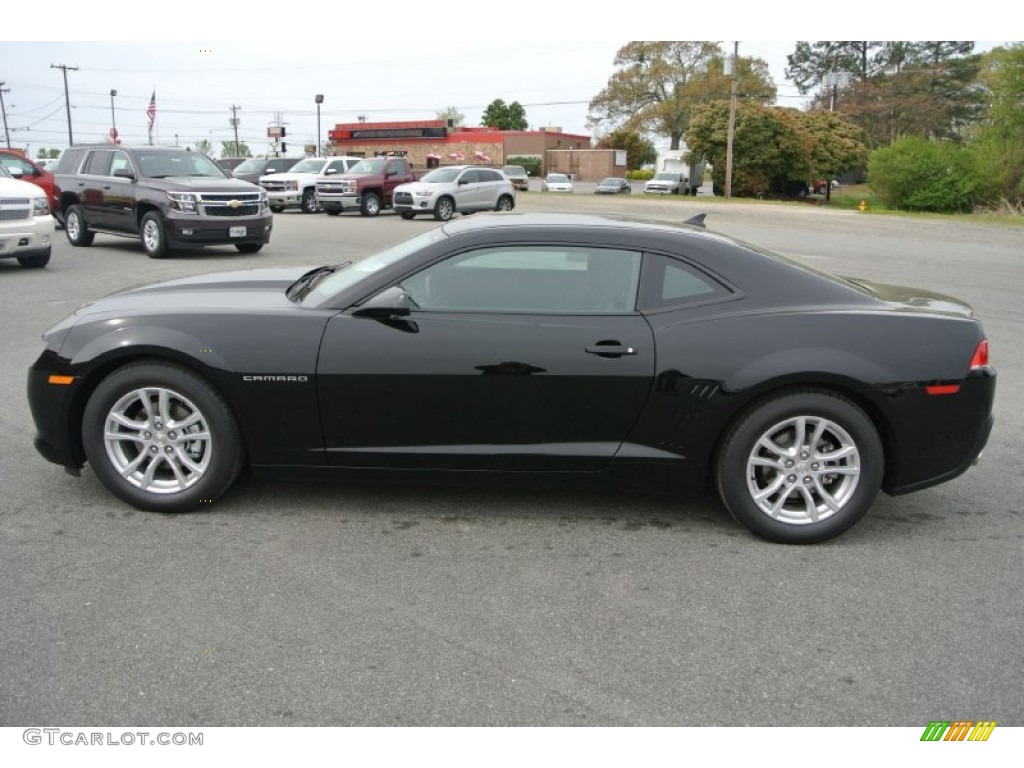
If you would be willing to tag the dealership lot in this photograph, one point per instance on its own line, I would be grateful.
(329, 604)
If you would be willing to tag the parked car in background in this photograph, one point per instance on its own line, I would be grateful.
(367, 187)
(47, 163)
(255, 167)
(556, 182)
(456, 188)
(228, 164)
(666, 183)
(23, 169)
(169, 198)
(820, 186)
(518, 176)
(613, 186)
(26, 226)
(296, 187)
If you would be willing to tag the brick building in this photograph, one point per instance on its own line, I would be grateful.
(429, 143)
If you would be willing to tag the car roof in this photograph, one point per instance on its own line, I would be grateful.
(569, 220)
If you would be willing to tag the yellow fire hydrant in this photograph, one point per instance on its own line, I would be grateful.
(863, 205)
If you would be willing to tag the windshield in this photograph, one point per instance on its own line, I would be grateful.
(309, 165)
(667, 176)
(159, 165)
(349, 276)
(280, 164)
(368, 166)
(250, 166)
(557, 177)
(514, 170)
(442, 175)
(609, 183)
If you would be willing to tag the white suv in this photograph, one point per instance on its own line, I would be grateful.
(461, 188)
(26, 226)
(296, 187)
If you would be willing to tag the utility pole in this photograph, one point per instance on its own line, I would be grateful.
(234, 123)
(67, 99)
(3, 109)
(732, 119)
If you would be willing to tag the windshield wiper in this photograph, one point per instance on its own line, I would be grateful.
(298, 290)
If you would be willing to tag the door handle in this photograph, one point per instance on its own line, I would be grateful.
(610, 349)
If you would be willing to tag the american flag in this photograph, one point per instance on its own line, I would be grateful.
(151, 110)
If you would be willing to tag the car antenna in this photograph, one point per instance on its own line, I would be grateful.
(697, 221)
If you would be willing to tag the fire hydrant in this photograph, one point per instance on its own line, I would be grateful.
(863, 205)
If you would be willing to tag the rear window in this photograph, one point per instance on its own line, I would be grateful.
(69, 161)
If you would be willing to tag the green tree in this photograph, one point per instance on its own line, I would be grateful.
(639, 150)
(659, 83)
(774, 146)
(453, 114)
(999, 147)
(47, 154)
(811, 63)
(915, 174)
(230, 149)
(204, 146)
(506, 117)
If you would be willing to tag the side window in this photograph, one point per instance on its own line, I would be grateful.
(394, 168)
(69, 161)
(98, 163)
(11, 161)
(490, 175)
(338, 166)
(670, 283)
(119, 162)
(534, 279)
(470, 177)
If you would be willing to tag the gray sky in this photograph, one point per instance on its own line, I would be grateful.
(434, 59)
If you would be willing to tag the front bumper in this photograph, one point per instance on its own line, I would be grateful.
(25, 236)
(219, 230)
(338, 200)
(286, 199)
(415, 203)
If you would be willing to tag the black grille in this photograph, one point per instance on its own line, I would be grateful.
(403, 197)
(247, 209)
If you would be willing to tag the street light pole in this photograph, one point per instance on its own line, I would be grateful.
(319, 99)
(732, 121)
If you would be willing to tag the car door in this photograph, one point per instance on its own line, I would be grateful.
(394, 174)
(467, 190)
(490, 188)
(92, 185)
(118, 194)
(526, 357)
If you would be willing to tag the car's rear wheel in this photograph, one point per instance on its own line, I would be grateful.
(154, 238)
(161, 438)
(444, 209)
(309, 201)
(505, 203)
(74, 227)
(35, 260)
(370, 205)
(801, 467)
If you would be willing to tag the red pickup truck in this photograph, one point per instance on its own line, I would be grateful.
(367, 187)
(20, 167)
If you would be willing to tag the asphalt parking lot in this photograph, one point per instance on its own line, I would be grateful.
(331, 604)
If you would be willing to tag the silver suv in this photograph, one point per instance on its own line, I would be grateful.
(461, 188)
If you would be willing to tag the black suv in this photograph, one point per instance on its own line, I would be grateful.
(170, 197)
(254, 167)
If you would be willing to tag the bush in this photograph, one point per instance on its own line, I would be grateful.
(530, 162)
(918, 175)
(639, 175)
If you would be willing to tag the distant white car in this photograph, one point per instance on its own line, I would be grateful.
(556, 182)
(26, 227)
(48, 163)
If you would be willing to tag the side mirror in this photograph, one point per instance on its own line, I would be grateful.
(124, 173)
(463, 180)
(16, 172)
(270, 171)
(391, 302)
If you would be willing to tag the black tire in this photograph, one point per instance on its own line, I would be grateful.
(407, 215)
(332, 211)
(36, 260)
(75, 228)
(505, 203)
(309, 202)
(370, 204)
(248, 247)
(444, 209)
(796, 484)
(276, 208)
(154, 236)
(140, 469)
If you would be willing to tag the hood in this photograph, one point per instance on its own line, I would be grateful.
(903, 297)
(420, 186)
(289, 176)
(17, 188)
(254, 289)
(202, 184)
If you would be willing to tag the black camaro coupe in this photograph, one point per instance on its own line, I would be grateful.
(528, 345)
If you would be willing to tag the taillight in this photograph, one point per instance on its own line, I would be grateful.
(980, 359)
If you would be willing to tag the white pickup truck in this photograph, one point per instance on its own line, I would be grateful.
(296, 188)
(26, 226)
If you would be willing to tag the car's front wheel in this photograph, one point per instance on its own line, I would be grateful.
(249, 247)
(35, 260)
(154, 238)
(161, 438)
(444, 209)
(74, 227)
(801, 467)
(309, 202)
